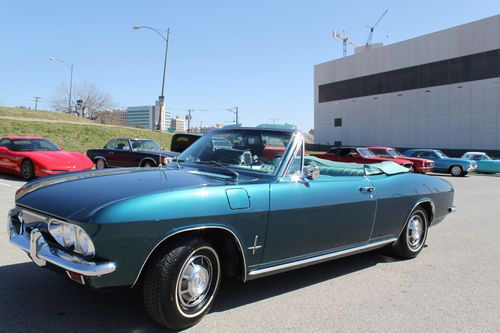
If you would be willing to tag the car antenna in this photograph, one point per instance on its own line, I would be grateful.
(159, 150)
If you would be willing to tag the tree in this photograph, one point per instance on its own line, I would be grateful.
(87, 100)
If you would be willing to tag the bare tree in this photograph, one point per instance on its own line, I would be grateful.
(86, 102)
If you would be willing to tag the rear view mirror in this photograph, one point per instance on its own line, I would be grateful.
(311, 172)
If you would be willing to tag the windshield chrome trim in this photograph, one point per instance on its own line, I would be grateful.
(295, 144)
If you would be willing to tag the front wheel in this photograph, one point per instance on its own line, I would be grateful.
(181, 282)
(412, 239)
(27, 170)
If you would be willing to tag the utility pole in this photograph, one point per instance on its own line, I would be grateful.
(36, 99)
(188, 117)
(236, 112)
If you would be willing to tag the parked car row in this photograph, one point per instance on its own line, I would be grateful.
(31, 157)
(416, 160)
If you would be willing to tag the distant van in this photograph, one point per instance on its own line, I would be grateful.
(181, 141)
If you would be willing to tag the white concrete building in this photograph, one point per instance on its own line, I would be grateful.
(440, 90)
(178, 124)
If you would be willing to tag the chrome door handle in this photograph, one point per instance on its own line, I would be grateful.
(367, 189)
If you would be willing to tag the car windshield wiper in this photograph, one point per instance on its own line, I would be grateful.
(229, 172)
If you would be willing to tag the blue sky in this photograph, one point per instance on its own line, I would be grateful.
(257, 55)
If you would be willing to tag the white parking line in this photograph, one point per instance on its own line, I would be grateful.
(8, 185)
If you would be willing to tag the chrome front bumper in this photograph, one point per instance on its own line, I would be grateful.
(41, 252)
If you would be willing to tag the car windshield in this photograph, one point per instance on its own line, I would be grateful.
(365, 152)
(382, 152)
(144, 145)
(253, 150)
(394, 153)
(440, 154)
(34, 145)
(477, 157)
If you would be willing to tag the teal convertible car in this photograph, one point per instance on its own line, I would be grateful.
(485, 164)
(240, 202)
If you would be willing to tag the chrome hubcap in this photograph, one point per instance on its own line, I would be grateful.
(415, 232)
(195, 279)
(456, 170)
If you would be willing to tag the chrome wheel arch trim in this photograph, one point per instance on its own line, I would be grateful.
(99, 157)
(147, 159)
(429, 218)
(204, 227)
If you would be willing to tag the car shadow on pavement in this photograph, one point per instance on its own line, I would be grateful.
(4, 176)
(235, 293)
(34, 299)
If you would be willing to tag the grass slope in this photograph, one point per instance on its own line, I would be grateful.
(46, 115)
(74, 137)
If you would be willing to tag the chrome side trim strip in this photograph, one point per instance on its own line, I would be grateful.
(194, 229)
(318, 259)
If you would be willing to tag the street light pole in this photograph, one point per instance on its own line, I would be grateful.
(235, 111)
(161, 98)
(70, 67)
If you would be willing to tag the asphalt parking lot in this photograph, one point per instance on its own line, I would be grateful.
(454, 285)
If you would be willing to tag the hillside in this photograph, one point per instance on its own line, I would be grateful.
(46, 115)
(74, 133)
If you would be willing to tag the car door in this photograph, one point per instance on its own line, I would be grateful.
(310, 217)
(119, 156)
(439, 163)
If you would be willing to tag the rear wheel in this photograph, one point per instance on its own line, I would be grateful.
(100, 163)
(457, 171)
(181, 282)
(412, 239)
(147, 164)
(27, 170)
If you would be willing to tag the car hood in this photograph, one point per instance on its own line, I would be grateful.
(66, 195)
(58, 159)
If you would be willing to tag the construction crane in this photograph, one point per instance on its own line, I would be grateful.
(345, 40)
(369, 40)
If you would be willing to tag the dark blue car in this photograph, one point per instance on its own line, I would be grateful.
(442, 163)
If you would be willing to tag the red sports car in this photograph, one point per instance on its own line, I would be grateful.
(420, 164)
(30, 157)
(360, 155)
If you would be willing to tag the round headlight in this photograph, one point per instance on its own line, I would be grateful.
(71, 237)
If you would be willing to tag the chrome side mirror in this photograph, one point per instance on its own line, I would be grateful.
(311, 172)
